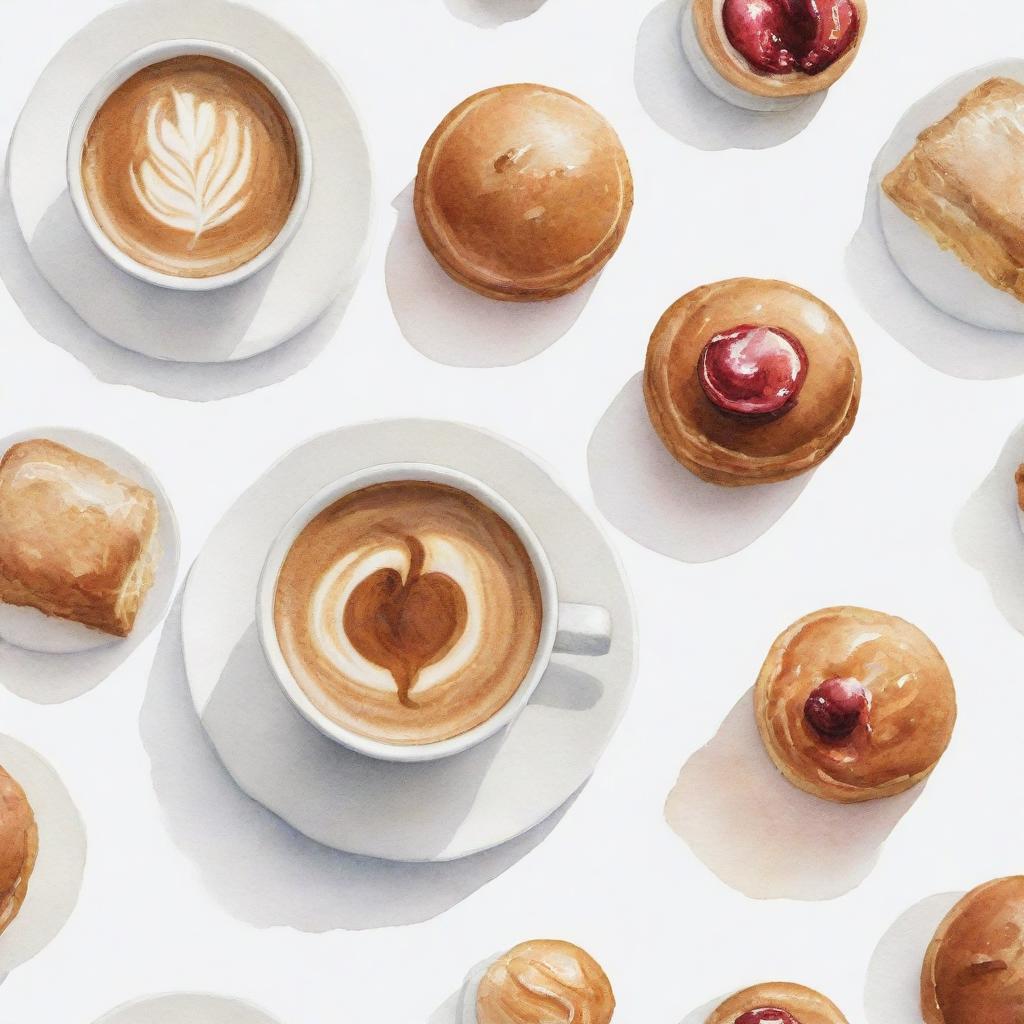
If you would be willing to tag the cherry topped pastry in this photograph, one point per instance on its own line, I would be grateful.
(854, 705)
(777, 1002)
(751, 381)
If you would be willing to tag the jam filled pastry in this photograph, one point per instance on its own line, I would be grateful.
(751, 382)
(523, 193)
(854, 705)
(973, 972)
(19, 844)
(777, 1002)
(77, 539)
(963, 183)
(545, 980)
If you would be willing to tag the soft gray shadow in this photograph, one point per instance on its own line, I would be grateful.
(450, 1011)
(261, 869)
(453, 325)
(492, 13)
(988, 532)
(60, 239)
(676, 101)
(651, 498)
(892, 990)
(55, 678)
(567, 689)
(701, 1014)
(943, 342)
(764, 837)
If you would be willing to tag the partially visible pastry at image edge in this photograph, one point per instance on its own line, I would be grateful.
(750, 381)
(777, 1002)
(854, 704)
(973, 971)
(963, 183)
(523, 192)
(545, 981)
(77, 539)
(19, 845)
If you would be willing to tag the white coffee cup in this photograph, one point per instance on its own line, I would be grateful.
(116, 77)
(565, 628)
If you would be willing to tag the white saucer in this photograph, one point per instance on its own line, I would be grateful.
(186, 1008)
(939, 275)
(428, 812)
(232, 323)
(31, 630)
(465, 1010)
(57, 877)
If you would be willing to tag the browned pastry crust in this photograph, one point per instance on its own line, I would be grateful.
(77, 540)
(913, 704)
(1018, 479)
(963, 183)
(735, 69)
(731, 450)
(19, 846)
(523, 192)
(973, 972)
(806, 1005)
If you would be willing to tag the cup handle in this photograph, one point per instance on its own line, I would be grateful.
(583, 629)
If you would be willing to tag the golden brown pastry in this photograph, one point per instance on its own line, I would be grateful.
(523, 192)
(545, 981)
(777, 1002)
(854, 705)
(973, 971)
(750, 381)
(77, 540)
(19, 845)
(963, 182)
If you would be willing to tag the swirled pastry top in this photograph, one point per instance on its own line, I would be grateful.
(726, 448)
(19, 844)
(523, 192)
(777, 1002)
(973, 972)
(897, 734)
(545, 980)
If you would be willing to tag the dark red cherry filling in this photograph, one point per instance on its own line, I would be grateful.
(753, 371)
(836, 707)
(781, 36)
(767, 1015)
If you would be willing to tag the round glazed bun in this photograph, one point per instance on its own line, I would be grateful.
(545, 980)
(973, 971)
(19, 844)
(804, 1005)
(895, 740)
(523, 192)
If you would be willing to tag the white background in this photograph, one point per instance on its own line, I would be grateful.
(294, 928)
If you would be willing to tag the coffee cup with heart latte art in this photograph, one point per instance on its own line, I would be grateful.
(409, 612)
(189, 165)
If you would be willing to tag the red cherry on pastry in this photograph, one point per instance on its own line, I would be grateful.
(836, 707)
(837, 24)
(767, 1015)
(753, 371)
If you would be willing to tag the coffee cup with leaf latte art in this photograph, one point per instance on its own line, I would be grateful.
(189, 165)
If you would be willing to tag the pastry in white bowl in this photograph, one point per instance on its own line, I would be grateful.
(19, 846)
(777, 1002)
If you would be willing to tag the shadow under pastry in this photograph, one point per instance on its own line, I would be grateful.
(493, 13)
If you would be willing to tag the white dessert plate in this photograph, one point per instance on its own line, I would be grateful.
(57, 876)
(236, 322)
(941, 277)
(31, 630)
(186, 1008)
(441, 810)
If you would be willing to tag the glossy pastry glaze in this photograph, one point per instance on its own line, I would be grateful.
(803, 1005)
(905, 726)
(973, 972)
(728, 449)
(1018, 479)
(408, 612)
(523, 192)
(19, 845)
(545, 980)
(77, 539)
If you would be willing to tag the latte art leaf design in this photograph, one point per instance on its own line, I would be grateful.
(196, 173)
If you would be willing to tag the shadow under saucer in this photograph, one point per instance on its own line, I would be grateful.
(651, 498)
(760, 834)
(453, 325)
(492, 13)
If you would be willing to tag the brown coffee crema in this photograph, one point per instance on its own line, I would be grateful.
(408, 612)
(191, 166)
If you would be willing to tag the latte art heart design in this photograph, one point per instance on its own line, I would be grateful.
(404, 625)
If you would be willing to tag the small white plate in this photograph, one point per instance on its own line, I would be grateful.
(57, 876)
(31, 630)
(324, 258)
(943, 279)
(186, 1008)
(427, 812)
